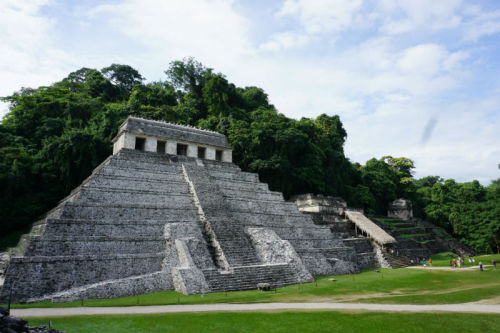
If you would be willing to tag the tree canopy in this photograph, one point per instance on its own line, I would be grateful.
(53, 137)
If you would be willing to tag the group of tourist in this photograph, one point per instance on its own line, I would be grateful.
(457, 262)
(424, 261)
(460, 261)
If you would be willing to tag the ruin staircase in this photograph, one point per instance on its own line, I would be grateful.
(396, 261)
(343, 228)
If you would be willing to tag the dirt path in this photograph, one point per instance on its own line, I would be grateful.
(56, 312)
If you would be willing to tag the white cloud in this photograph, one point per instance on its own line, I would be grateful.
(321, 16)
(28, 56)
(284, 41)
(463, 145)
(209, 30)
(378, 66)
(402, 16)
(426, 59)
(481, 24)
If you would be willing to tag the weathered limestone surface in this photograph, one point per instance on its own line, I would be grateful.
(273, 250)
(187, 277)
(146, 135)
(155, 128)
(400, 208)
(4, 263)
(319, 203)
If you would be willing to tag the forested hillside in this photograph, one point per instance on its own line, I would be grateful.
(54, 136)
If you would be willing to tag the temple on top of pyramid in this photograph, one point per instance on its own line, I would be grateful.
(166, 138)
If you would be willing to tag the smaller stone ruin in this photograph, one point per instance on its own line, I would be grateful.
(401, 209)
(320, 204)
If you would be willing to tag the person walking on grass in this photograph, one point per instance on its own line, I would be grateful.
(425, 264)
(494, 262)
(481, 266)
(430, 262)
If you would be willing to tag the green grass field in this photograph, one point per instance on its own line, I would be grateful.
(297, 321)
(403, 286)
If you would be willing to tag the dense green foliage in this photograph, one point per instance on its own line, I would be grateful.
(470, 211)
(54, 136)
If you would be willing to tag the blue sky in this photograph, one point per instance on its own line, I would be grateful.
(409, 78)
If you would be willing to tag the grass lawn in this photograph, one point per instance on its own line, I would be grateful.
(279, 321)
(404, 286)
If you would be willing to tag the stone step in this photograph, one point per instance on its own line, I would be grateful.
(261, 218)
(241, 176)
(40, 246)
(105, 229)
(131, 183)
(253, 195)
(139, 164)
(315, 243)
(366, 260)
(145, 174)
(218, 164)
(123, 223)
(94, 238)
(249, 277)
(150, 157)
(240, 185)
(112, 196)
(126, 212)
(305, 232)
(360, 244)
(253, 205)
(332, 254)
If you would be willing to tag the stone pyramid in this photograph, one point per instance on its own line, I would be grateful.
(170, 211)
